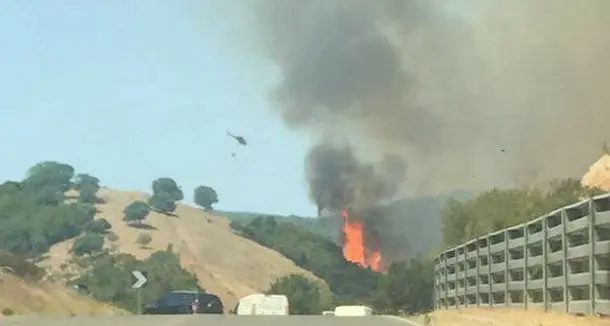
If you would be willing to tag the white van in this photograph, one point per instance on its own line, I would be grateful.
(353, 311)
(263, 304)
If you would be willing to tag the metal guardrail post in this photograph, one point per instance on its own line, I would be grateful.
(478, 272)
(455, 279)
(592, 267)
(446, 277)
(489, 280)
(526, 275)
(565, 266)
(435, 286)
(545, 267)
(506, 268)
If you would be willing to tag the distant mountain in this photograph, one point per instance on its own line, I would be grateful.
(413, 226)
(416, 223)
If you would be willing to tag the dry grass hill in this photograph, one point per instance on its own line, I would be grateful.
(47, 299)
(225, 264)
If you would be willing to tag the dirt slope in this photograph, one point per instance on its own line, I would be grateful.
(47, 299)
(599, 174)
(226, 264)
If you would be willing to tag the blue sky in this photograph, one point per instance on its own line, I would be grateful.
(130, 91)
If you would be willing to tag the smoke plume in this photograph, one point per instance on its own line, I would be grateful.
(337, 179)
(472, 94)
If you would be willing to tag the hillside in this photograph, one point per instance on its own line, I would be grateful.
(224, 263)
(47, 299)
(327, 227)
(414, 224)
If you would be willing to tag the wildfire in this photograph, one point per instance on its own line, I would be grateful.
(354, 246)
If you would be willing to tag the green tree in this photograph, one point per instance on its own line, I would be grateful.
(88, 186)
(110, 277)
(406, 288)
(84, 180)
(89, 243)
(205, 197)
(21, 266)
(136, 211)
(169, 188)
(112, 237)
(455, 222)
(568, 191)
(100, 226)
(48, 195)
(50, 174)
(88, 195)
(162, 202)
(303, 294)
(144, 239)
(34, 213)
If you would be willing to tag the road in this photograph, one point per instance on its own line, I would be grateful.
(215, 320)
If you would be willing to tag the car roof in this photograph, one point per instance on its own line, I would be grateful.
(193, 293)
(187, 292)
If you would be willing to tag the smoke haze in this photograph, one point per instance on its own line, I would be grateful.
(471, 94)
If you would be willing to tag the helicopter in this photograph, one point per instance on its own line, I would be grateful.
(241, 140)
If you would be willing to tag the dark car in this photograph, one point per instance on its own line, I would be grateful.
(185, 302)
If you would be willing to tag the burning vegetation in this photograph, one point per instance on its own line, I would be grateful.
(357, 248)
(340, 184)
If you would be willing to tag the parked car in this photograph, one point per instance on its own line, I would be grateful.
(185, 302)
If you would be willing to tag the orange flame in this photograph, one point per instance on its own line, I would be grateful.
(354, 248)
(375, 261)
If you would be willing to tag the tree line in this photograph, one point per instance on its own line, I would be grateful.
(166, 194)
(109, 278)
(496, 209)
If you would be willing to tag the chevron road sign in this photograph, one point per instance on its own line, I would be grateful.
(139, 279)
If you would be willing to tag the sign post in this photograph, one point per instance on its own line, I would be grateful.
(140, 278)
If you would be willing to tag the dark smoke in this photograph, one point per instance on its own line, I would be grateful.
(472, 94)
(337, 179)
(502, 94)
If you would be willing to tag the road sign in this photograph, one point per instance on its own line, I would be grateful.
(139, 279)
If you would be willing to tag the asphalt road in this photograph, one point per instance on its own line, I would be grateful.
(209, 320)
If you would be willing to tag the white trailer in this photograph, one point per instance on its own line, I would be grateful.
(353, 311)
(263, 304)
